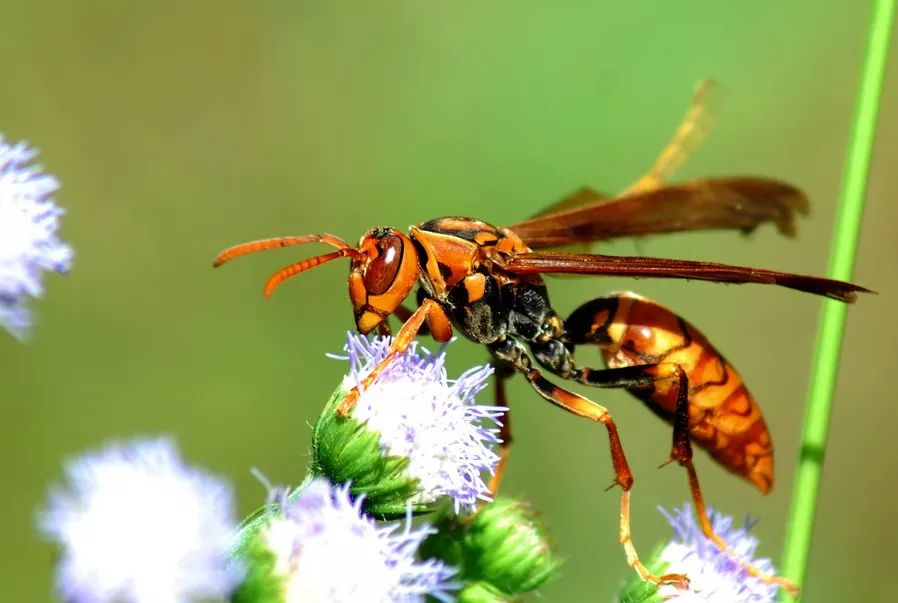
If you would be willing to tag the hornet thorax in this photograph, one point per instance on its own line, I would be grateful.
(457, 269)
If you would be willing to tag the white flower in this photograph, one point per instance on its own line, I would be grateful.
(327, 551)
(423, 416)
(28, 243)
(713, 574)
(138, 526)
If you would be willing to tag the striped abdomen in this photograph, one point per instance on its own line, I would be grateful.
(724, 418)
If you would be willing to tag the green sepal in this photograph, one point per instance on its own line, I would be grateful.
(249, 549)
(504, 545)
(446, 543)
(261, 584)
(483, 592)
(344, 450)
(252, 523)
(637, 590)
(245, 538)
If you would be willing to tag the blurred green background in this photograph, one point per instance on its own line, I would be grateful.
(178, 128)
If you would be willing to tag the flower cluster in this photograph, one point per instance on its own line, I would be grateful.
(135, 524)
(28, 242)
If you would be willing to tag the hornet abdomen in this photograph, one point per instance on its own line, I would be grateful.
(724, 417)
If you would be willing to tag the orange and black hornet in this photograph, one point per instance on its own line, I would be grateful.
(486, 283)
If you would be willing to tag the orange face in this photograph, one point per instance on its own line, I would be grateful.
(381, 276)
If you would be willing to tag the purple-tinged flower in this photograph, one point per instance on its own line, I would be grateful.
(325, 550)
(428, 419)
(714, 575)
(136, 525)
(28, 243)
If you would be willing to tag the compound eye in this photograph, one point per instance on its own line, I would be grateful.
(382, 270)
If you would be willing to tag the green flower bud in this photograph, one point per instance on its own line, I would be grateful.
(503, 546)
(482, 592)
(507, 546)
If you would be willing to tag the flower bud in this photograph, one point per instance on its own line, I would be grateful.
(507, 546)
(503, 546)
(482, 592)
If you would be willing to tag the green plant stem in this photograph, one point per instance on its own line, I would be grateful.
(832, 320)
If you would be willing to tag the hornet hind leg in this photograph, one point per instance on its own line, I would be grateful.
(695, 389)
(681, 452)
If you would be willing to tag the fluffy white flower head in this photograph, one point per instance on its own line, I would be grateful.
(713, 574)
(422, 415)
(327, 551)
(138, 526)
(28, 243)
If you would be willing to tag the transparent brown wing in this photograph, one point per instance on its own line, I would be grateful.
(580, 198)
(589, 263)
(687, 137)
(718, 203)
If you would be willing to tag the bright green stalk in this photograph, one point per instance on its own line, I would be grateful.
(832, 320)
